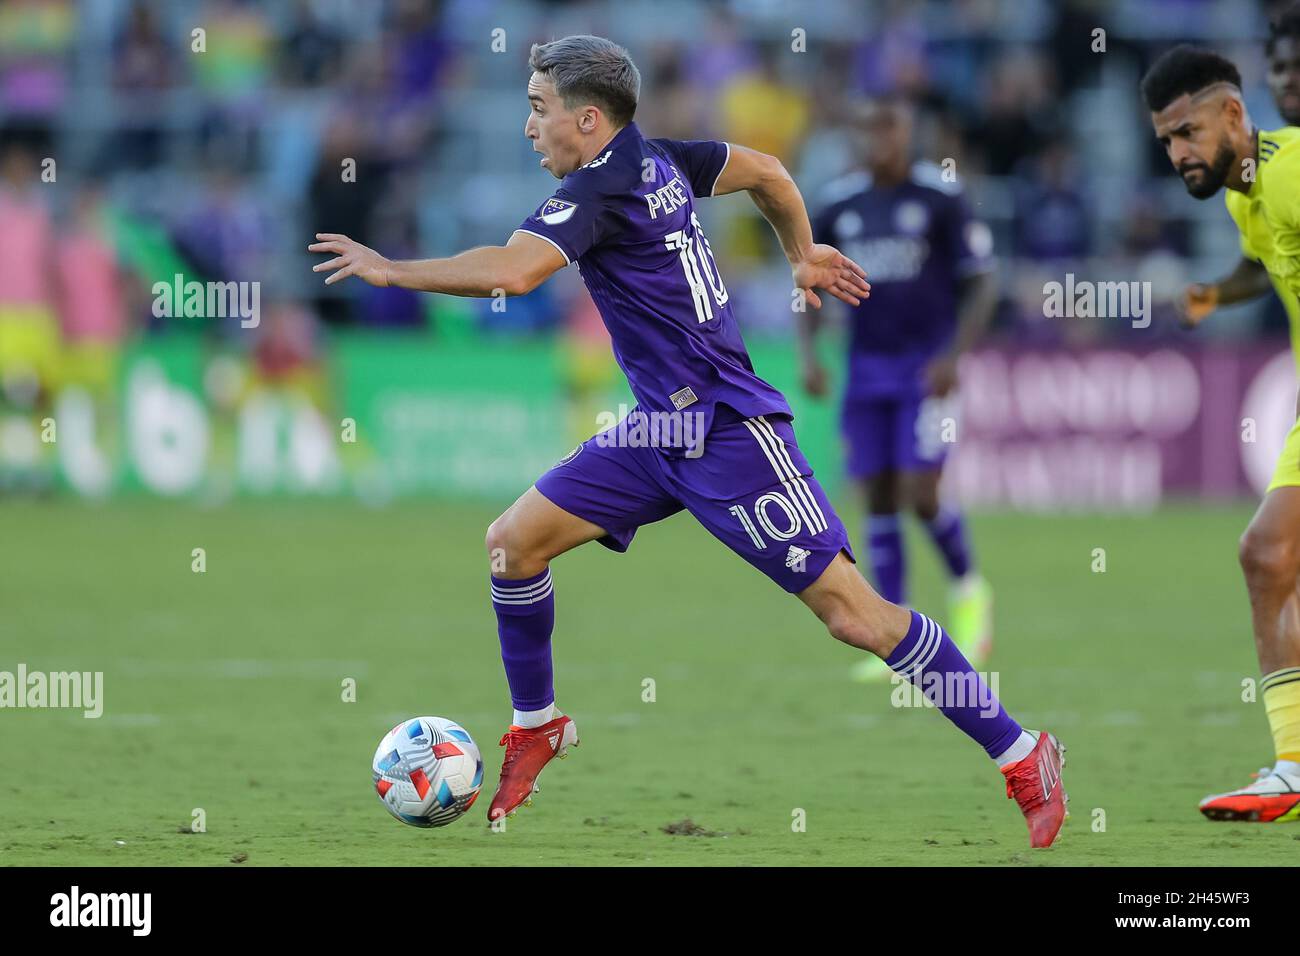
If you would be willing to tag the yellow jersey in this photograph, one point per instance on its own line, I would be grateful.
(1268, 218)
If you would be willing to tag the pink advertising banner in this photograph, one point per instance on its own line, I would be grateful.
(1119, 430)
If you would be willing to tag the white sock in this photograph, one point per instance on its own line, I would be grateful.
(1019, 750)
(535, 718)
(1288, 767)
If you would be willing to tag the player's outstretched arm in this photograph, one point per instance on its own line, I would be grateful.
(516, 268)
(1248, 280)
(814, 265)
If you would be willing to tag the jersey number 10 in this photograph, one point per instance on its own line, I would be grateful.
(701, 271)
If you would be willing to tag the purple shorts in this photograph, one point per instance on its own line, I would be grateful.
(751, 488)
(904, 433)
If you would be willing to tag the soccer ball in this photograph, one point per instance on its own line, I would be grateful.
(427, 771)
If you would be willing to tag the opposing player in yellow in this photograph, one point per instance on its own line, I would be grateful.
(1199, 117)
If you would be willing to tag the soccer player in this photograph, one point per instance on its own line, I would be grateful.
(1250, 279)
(625, 214)
(1199, 117)
(933, 293)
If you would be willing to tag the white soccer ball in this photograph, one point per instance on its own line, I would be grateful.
(427, 771)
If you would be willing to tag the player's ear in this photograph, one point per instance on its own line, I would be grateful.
(1233, 109)
(588, 119)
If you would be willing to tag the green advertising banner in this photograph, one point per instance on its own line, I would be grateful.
(384, 416)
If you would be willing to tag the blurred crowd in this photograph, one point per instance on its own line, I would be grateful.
(141, 138)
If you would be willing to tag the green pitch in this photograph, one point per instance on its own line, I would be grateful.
(223, 691)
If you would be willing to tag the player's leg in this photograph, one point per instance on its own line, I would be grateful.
(881, 496)
(1270, 559)
(970, 599)
(868, 426)
(788, 530)
(521, 544)
(926, 427)
(599, 492)
(918, 649)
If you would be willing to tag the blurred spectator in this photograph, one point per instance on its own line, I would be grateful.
(763, 111)
(1051, 221)
(36, 39)
(892, 58)
(311, 51)
(236, 61)
(143, 64)
(29, 334)
(142, 60)
(92, 297)
(674, 109)
(224, 228)
(1016, 107)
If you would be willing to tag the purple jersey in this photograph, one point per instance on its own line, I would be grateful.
(628, 219)
(915, 241)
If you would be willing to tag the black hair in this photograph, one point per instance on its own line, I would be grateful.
(1286, 25)
(1185, 69)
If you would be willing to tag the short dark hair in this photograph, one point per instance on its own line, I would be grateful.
(588, 69)
(1286, 25)
(1185, 69)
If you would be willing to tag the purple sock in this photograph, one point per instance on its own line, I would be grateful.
(949, 534)
(930, 660)
(885, 542)
(525, 616)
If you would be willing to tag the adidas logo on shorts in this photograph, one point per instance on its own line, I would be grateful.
(795, 558)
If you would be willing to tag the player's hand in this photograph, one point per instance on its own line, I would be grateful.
(815, 380)
(825, 267)
(941, 375)
(1198, 301)
(353, 259)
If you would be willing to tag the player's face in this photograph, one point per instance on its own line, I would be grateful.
(889, 136)
(1195, 137)
(1284, 78)
(553, 128)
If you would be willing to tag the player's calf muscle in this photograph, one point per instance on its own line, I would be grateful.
(530, 533)
(854, 613)
(1269, 562)
(1270, 558)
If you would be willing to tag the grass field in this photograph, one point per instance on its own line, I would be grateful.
(222, 691)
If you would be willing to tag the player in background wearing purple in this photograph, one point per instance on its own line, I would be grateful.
(625, 214)
(933, 294)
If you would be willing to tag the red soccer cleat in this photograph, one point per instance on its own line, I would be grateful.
(1035, 782)
(528, 751)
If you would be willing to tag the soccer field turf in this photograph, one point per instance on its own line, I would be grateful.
(222, 691)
